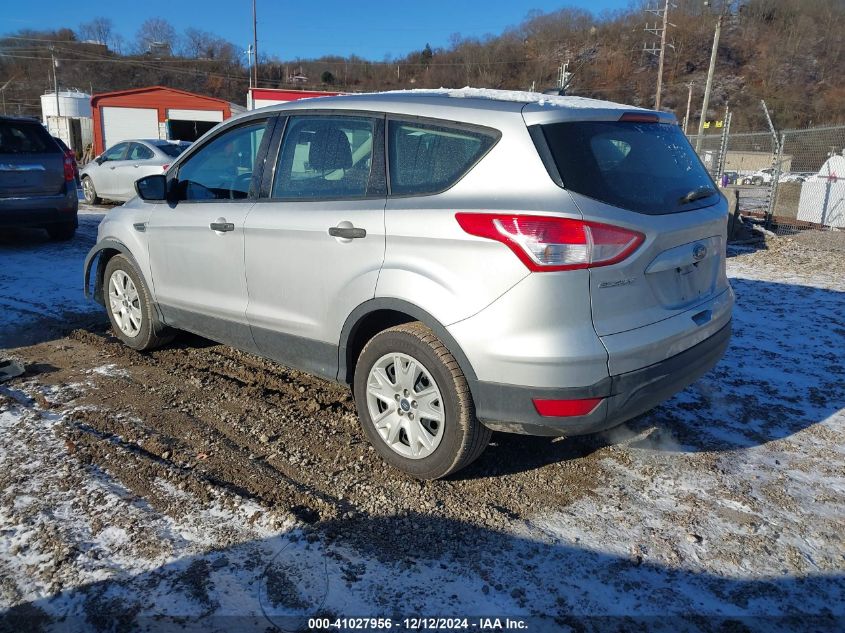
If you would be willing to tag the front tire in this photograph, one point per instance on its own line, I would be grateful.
(415, 405)
(89, 191)
(130, 307)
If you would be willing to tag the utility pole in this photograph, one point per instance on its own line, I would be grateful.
(55, 82)
(248, 52)
(709, 85)
(255, 41)
(689, 102)
(661, 52)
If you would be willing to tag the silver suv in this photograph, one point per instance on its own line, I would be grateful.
(466, 261)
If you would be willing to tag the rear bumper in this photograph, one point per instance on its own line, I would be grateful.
(38, 211)
(510, 408)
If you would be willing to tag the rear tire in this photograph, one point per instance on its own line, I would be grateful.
(436, 436)
(90, 191)
(61, 232)
(130, 307)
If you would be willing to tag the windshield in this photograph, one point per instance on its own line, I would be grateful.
(172, 149)
(644, 167)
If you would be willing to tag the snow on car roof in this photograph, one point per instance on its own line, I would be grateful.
(520, 96)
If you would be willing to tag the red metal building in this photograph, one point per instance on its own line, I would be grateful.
(155, 112)
(260, 97)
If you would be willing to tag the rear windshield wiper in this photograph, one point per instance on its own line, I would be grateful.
(697, 194)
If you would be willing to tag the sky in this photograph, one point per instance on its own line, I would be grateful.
(370, 29)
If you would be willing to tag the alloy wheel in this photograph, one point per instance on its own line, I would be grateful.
(124, 303)
(405, 405)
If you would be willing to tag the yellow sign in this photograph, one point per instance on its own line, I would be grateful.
(707, 124)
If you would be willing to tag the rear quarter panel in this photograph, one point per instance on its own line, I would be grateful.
(431, 262)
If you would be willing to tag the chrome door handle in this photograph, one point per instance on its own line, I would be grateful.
(222, 227)
(349, 233)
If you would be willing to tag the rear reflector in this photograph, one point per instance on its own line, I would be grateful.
(546, 244)
(635, 117)
(566, 408)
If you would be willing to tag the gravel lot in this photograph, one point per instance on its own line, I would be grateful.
(201, 488)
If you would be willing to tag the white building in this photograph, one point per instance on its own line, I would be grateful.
(68, 117)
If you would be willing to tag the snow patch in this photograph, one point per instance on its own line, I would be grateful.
(520, 96)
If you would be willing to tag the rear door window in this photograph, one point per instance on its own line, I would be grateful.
(325, 157)
(426, 158)
(139, 152)
(26, 137)
(649, 168)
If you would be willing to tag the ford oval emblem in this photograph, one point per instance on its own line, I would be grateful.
(699, 252)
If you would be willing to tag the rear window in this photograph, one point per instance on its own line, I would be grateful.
(430, 158)
(171, 149)
(644, 167)
(24, 137)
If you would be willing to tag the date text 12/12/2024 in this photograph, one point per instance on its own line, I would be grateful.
(419, 624)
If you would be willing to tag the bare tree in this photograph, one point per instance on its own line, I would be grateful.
(156, 34)
(99, 30)
(201, 44)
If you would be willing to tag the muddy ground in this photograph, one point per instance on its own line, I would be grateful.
(728, 500)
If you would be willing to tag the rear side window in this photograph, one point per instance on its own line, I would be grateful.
(431, 158)
(644, 167)
(325, 157)
(139, 152)
(24, 137)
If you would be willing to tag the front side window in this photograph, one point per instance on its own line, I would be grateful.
(222, 169)
(325, 157)
(117, 152)
(431, 158)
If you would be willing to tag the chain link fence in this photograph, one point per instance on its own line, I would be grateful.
(793, 181)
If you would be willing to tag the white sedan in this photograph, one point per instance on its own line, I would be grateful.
(113, 173)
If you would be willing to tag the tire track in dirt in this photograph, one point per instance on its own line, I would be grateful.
(200, 414)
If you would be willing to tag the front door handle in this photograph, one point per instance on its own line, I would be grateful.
(222, 227)
(349, 233)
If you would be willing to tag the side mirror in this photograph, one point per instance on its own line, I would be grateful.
(152, 188)
(100, 159)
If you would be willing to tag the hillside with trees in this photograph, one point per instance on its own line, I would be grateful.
(789, 52)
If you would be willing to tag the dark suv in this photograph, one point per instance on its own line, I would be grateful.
(37, 179)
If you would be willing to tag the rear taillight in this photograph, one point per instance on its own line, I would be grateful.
(549, 244)
(165, 166)
(566, 408)
(70, 169)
